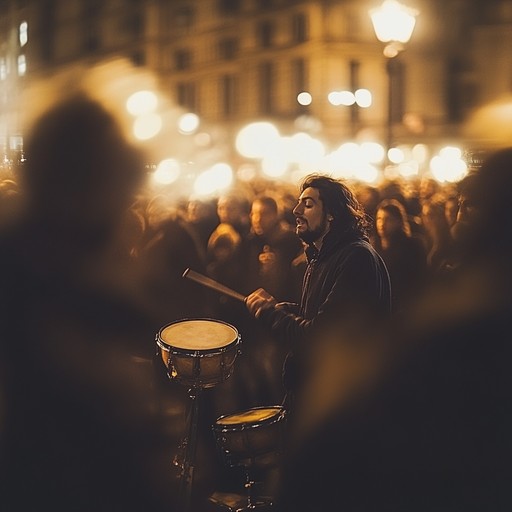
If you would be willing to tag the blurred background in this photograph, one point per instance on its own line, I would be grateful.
(227, 91)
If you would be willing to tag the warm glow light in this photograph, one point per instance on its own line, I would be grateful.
(374, 152)
(22, 65)
(396, 155)
(366, 172)
(246, 172)
(23, 33)
(254, 140)
(141, 102)
(448, 166)
(167, 171)
(393, 21)
(363, 98)
(305, 149)
(304, 98)
(420, 153)
(215, 179)
(203, 139)
(188, 123)
(147, 126)
(409, 169)
(274, 166)
(450, 152)
(345, 98)
(350, 161)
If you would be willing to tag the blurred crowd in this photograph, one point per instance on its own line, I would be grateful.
(92, 261)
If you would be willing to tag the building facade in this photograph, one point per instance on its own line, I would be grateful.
(235, 61)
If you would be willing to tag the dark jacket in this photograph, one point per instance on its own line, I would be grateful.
(346, 285)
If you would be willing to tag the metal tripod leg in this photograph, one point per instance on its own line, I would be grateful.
(187, 470)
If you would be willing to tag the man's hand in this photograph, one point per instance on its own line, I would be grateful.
(259, 300)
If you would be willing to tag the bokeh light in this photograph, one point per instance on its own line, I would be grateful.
(167, 171)
(363, 98)
(219, 177)
(448, 166)
(147, 126)
(304, 98)
(188, 123)
(254, 140)
(141, 102)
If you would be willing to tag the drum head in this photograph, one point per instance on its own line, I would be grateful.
(255, 415)
(198, 334)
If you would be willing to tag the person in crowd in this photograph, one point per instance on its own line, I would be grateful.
(234, 208)
(77, 422)
(201, 218)
(451, 205)
(169, 249)
(272, 247)
(346, 294)
(226, 265)
(226, 256)
(346, 284)
(428, 187)
(431, 431)
(467, 212)
(9, 201)
(369, 197)
(404, 254)
(438, 239)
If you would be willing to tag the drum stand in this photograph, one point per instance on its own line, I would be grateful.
(188, 446)
(251, 500)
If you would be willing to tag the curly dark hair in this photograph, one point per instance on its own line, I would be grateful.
(340, 202)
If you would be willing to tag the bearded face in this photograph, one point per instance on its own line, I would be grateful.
(311, 219)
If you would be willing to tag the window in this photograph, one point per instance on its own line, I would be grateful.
(266, 79)
(182, 59)
(91, 38)
(265, 4)
(228, 6)
(91, 8)
(299, 81)
(133, 24)
(229, 95)
(23, 35)
(265, 34)
(3, 69)
(186, 96)
(183, 16)
(396, 72)
(299, 28)
(299, 77)
(228, 48)
(138, 58)
(22, 65)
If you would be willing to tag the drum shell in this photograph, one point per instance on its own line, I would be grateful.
(247, 443)
(199, 368)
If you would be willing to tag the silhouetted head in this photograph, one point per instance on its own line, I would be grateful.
(488, 194)
(80, 172)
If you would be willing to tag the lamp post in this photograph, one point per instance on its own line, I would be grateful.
(393, 24)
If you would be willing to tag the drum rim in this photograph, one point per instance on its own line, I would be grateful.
(238, 426)
(198, 352)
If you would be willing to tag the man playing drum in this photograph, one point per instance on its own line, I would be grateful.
(346, 285)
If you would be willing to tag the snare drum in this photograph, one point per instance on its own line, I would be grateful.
(251, 437)
(199, 352)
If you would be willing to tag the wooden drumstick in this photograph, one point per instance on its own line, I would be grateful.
(214, 285)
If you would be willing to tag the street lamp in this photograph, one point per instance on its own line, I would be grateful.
(393, 24)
